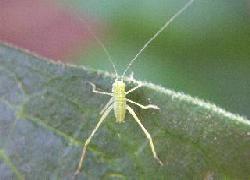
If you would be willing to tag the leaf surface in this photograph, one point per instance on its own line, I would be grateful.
(47, 110)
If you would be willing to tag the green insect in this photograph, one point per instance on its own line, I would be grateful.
(119, 103)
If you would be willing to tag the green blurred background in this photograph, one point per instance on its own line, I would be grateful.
(204, 53)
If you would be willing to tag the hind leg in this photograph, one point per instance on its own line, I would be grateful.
(131, 111)
(106, 112)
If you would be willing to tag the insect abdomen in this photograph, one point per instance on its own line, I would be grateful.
(120, 109)
(119, 100)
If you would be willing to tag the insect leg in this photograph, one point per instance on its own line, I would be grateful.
(131, 111)
(106, 112)
(99, 92)
(134, 88)
(107, 105)
(149, 106)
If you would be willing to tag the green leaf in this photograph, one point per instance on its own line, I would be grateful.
(47, 110)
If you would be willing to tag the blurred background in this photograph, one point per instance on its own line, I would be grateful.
(205, 52)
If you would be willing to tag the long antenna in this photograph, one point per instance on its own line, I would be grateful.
(104, 49)
(157, 33)
(89, 29)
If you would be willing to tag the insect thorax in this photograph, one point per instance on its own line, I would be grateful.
(119, 100)
(118, 88)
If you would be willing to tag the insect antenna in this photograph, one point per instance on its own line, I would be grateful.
(104, 49)
(89, 29)
(156, 34)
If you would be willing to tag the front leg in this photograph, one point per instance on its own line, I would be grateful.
(134, 88)
(99, 92)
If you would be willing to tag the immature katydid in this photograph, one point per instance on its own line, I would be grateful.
(118, 100)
